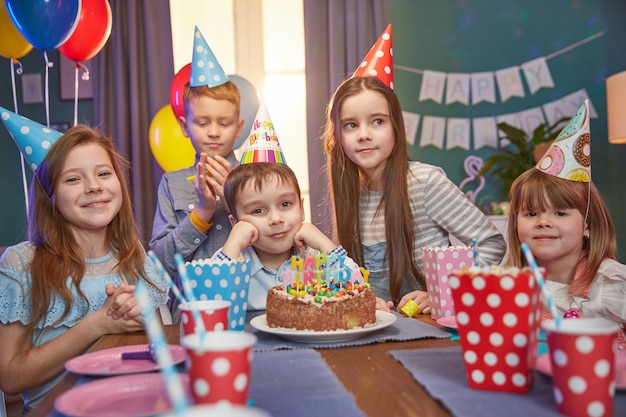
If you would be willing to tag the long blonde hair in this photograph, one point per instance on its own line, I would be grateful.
(58, 255)
(346, 181)
(535, 190)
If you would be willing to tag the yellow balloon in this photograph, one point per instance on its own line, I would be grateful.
(171, 149)
(12, 43)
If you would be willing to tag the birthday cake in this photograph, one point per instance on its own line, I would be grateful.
(321, 307)
(318, 299)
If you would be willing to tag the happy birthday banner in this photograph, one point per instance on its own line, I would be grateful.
(458, 131)
(481, 86)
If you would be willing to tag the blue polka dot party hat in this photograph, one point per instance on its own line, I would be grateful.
(33, 139)
(569, 156)
(262, 144)
(205, 69)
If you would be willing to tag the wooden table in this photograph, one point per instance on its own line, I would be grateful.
(380, 385)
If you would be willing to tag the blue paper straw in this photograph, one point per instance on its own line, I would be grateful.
(169, 279)
(542, 284)
(475, 249)
(173, 383)
(182, 271)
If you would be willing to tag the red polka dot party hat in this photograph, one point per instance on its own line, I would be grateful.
(379, 60)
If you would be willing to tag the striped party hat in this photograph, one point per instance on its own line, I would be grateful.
(262, 144)
(205, 69)
(33, 139)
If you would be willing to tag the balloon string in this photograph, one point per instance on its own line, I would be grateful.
(76, 94)
(12, 62)
(47, 95)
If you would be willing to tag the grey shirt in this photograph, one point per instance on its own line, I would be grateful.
(173, 232)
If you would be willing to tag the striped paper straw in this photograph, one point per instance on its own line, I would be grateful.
(542, 284)
(173, 383)
(169, 279)
(182, 271)
(475, 249)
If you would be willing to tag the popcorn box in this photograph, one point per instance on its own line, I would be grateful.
(223, 280)
(439, 263)
(498, 311)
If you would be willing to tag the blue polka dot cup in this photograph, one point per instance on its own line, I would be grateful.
(222, 280)
(219, 366)
(498, 312)
(582, 359)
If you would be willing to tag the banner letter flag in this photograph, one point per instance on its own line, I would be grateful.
(509, 83)
(483, 87)
(433, 129)
(458, 133)
(411, 124)
(530, 119)
(537, 74)
(433, 83)
(485, 132)
(457, 88)
(576, 99)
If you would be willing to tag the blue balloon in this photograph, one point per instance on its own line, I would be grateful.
(45, 24)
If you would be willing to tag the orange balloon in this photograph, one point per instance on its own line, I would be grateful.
(12, 43)
(171, 149)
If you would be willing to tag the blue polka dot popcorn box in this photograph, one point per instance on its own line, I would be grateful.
(498, 312)
(439, 263)
(223, 280)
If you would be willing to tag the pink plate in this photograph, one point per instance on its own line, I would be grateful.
(448, 321)
(121, 396)
(109, 361)
(543, 365)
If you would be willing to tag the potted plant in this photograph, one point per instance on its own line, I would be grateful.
(521, 154)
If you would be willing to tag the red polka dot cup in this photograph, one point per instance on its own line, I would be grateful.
(219, 366)
(214, 314)
(498, 311)
(582, 355)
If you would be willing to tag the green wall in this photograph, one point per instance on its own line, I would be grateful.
(13, 225)
(481, 35)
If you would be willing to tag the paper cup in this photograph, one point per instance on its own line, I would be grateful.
(219, 366)
(498, 311)
(220, 280)
(439, 263)
(582, 355)
(214, 314)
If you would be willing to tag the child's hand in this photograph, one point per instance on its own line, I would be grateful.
(309, 236)
(124, 303)
(420, 297)
(383, 305)
(243, 235)
(218, 169)
(207, 202)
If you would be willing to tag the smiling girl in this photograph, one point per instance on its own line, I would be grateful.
(73, 281)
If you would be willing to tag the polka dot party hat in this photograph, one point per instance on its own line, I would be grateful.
(262, 144)
(379, 60)
(205, 69)
(33, 139)
(569, 156)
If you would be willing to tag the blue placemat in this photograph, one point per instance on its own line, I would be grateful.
(403, 328)
(290, 383)
(442, 373)
(298, 383)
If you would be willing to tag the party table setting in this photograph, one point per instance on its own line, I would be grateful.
(478, 353)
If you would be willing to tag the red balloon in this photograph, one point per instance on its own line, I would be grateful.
(91, 33)
(177, 90)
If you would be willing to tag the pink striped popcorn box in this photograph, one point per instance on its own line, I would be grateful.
(439, 263)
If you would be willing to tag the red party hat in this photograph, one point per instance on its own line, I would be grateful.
(379, 60)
